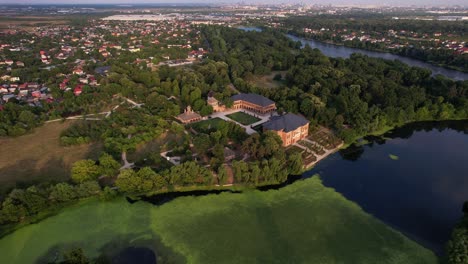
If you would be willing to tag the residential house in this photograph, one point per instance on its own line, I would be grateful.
(78, 90)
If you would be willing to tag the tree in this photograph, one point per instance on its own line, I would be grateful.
(27, 118)
(218, 152)
(222, 175)
(457, 247)
(127, 181)
(108, 165)
(201, 143)
(62, 192)
(85, 170)
(295, 163)
(143, 181)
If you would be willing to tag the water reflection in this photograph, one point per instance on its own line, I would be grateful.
(336, 51)
(419, 191)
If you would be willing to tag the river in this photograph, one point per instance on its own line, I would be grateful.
(416, 180)
(337, 51)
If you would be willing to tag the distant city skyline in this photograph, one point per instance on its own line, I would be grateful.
(323, 2)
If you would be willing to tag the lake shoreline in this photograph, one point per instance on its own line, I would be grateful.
(169, 195)
(181, 191)
(408, 185)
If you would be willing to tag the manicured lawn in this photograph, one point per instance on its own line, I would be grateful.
(39, 157)
(301, 223)
(243, 118)
(207, 125)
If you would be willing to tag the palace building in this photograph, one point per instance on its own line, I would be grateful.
(188, 116)
(253, 102)
(214, 103)
(290, 127)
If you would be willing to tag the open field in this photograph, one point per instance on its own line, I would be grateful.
(266, 81)
(29, 22)
(39, 157)
(243, 118)
(301, 223)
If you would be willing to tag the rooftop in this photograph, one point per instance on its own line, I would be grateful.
(188, 115)
(288, 122)
(253, 98)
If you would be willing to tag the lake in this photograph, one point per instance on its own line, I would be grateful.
(303, 222)
(416, 180)
(337, 51)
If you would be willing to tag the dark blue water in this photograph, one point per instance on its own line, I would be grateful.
(421, 193)
(336, 51)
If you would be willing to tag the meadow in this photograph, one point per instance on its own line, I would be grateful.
(302, 223)
(38, 157)
(267, 81)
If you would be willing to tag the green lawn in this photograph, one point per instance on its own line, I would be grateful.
(243, 118)
(302, 223)
(208, 125)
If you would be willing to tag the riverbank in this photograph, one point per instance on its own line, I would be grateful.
(448, 67)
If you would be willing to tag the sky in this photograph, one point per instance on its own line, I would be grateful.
(334, 2)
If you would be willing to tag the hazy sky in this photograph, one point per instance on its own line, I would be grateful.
(336, 2)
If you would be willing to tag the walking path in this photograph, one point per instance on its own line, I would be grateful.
(174, 160)
(90, 116)
(127, 165)
(248, 128)
(77, 117)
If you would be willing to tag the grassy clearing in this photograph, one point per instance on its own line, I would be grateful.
(207, 125)
(243, 118)
(267, 81)
(39, 157)
(302, 223)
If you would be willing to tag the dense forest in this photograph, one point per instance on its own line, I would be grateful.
(415, 38)
(354, 96)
